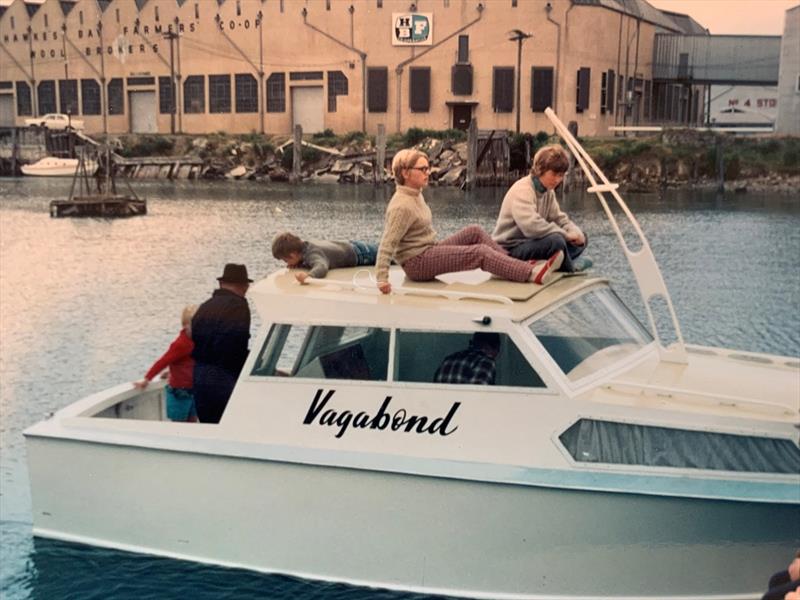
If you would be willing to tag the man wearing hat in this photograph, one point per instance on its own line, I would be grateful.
(220, 331)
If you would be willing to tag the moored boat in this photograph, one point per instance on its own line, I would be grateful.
(53, 166)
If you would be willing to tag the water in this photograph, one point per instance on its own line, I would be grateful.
(87, 304)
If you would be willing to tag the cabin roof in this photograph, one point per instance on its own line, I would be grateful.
(461, 291)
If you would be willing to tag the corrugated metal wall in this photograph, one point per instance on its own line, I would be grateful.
(723, 59)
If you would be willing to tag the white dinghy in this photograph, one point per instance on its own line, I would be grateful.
(602, 463)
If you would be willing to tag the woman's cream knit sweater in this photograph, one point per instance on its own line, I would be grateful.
(407, 230)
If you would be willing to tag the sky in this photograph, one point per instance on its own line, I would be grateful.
(742, 17)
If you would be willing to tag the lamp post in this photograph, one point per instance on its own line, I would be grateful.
(516, 35)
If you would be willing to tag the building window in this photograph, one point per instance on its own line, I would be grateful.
(377, 89)
(196, 10)
(541, 88)
(166, 96)
(611, 82)
(46, 24)
(463, 49)
(116, 97)
(582, 91)
(461, 79)
(194, 94)
(116, 11)
(419, 93)
(24, 104)
(276, 92)
(246, 93)
(380, 3)
(12, 22)
(503, 89)
(305, 76)
(46, 94)
(603, 92)
(90, 97)
(68, 96)
(648, 99)
(219, 93)
(337, 86)
(80, 16)
(609, 442)
(238, 8)
(156, 15)
(327, 4)
(141, 81)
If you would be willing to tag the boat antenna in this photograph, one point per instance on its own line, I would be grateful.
(643, 262)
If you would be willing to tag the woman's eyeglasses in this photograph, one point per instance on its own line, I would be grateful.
(424, 169)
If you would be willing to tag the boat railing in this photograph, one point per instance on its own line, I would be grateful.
(642, 261)
(359, 283)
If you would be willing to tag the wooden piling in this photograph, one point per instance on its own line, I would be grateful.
(472, 154)
(380, 154)
(297, 154)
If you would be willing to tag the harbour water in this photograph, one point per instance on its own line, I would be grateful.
(87, 304)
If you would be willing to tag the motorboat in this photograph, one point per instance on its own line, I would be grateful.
(604, 461)
(53, 166)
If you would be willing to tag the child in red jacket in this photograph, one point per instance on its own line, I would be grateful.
(180, 401)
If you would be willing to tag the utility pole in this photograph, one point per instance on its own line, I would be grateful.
(171, 36)
(516, 35)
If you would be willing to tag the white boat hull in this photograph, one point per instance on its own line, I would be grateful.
(399, 531)
(62, 167)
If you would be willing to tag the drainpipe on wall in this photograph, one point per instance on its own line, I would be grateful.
(400, 66)
(178, 86)
(103, 99)
(34, 91)
(361, 54)
(548, 9)
(618, 95)
(262, 93)
(636, 66)
(566, 27)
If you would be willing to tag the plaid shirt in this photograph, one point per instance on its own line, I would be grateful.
(466, 366)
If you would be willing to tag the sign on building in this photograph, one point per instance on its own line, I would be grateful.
(741, 105)
(412, 29)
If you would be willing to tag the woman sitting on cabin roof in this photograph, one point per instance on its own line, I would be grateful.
(409, 237)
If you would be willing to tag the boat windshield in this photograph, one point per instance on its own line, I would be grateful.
(590, 333)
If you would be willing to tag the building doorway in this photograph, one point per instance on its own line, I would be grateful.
(307, 108)
(143, 112)
(462, 116)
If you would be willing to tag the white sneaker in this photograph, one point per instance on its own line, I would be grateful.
(544, 270)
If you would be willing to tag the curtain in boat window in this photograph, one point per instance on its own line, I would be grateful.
(594, 441)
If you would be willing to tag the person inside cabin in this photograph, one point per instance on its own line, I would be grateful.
(785, 585)
(410, 239)
(316, 257)
(475, 365)
(178, 359)
(531, 224)
(220, 330)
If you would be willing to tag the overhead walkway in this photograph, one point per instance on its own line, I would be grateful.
(716, 59)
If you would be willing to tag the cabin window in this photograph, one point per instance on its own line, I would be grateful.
(324, 352)
(116, 97)
(246, 93)
(46, 94)
(541, 88)
(420, 354)
(68, 96)
(276, 92)
(90, 97)
(377, 89)
(24, 104)
(590, 333)
(194, 94)
(166, 96)
(219, 93)
(608, 442)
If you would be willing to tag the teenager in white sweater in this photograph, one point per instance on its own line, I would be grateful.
(531, 225)
(409, 238)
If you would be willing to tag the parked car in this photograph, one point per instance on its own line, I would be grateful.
(55, 121)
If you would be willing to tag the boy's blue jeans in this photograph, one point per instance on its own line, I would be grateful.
(366, 254)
